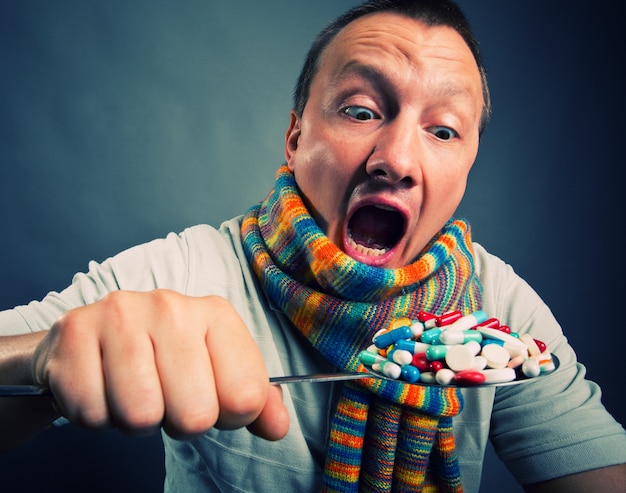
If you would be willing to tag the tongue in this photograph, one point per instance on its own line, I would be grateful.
(374, 227)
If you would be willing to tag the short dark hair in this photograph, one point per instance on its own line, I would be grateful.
(430, 12)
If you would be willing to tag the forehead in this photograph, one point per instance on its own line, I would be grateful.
(401, 46)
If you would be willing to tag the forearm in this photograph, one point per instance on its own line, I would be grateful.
(21, 418)
(606, 479)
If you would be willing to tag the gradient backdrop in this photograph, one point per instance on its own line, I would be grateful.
(123, 120)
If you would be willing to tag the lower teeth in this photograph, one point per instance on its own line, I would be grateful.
(366, 250)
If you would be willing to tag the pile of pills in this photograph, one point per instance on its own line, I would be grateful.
(452, 349)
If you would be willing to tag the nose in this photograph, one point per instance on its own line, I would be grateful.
(396, 155)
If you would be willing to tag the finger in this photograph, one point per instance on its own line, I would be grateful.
(68, 361)
(133, 389)
(273, 422)
(184, 369)
(241, 378)
(191, 404)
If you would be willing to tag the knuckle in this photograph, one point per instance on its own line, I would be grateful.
(117, 306)
(220, 308)
(69, 325)
(191, 424)
(219, 302)
(241, 406)
(138, 406)
(171, 307)
(115, 301)
(91, 417)
(139, 418)
(196, 423)
(164, 298)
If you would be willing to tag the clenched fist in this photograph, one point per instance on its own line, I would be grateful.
(140, 361)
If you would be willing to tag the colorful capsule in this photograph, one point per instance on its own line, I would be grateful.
(448, 318)
(420, 361)
(428, 319)
(444, 376)
(436, 366)
(410, 373)
(467, 378)
(492, 323)
(541, 345)
(388, 368)
(452, 349)
(369, 358)
(501, 336)
(450, 336)
(437, 352)
(417, 329)
(431, 336)
(388, 338)
(400, 356)
(412, 346)
(468, 321)
(546, 364)
(428, 377)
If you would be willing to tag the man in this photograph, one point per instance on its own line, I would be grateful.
(384, 132)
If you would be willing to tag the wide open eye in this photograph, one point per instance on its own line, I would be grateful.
(443, 133)
(360, 113)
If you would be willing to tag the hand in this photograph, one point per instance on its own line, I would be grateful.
(139, 361)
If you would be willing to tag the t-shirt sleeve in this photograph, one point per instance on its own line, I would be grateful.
(557, 424)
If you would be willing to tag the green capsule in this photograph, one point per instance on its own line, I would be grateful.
(436, 352)
(368, 358)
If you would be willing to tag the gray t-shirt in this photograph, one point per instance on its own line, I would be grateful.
(541, 430)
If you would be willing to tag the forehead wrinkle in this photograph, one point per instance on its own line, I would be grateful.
(398, 57)
(413, 57)
(381, 79)
(411, 46)
(369, 45)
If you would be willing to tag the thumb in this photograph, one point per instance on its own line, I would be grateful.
(273, 422)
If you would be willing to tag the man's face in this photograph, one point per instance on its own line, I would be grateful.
(388, 136)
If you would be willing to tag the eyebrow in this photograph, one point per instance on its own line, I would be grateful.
(364, 71)
(382, 81)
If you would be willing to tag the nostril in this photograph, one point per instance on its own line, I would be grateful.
(379, 172)
(392, 171)
(382, 173)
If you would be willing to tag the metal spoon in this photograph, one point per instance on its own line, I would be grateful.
(41, 390)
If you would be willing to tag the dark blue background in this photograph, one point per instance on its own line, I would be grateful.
(121, 121)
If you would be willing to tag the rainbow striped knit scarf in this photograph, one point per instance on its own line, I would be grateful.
(386, 435)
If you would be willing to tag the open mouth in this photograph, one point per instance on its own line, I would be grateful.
(373, 230)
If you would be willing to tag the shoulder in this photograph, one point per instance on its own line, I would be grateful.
(506, 295)
(186, 261)
(488, 265)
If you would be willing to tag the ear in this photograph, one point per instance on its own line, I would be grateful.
(291, 139)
